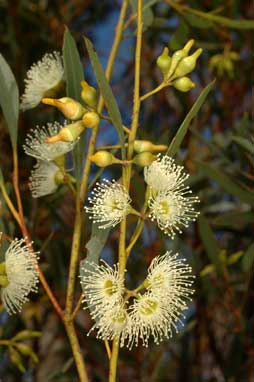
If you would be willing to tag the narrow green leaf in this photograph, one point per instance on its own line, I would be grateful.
(246, 144)
(209, 242)
(180, 36)
(248, 258)
(181, 132)
(9, 99)
(106, 91)
(94, 247)
(197, 21)
(235, 220)
(224, 21)
(226, 183)
(74, 75)
(96, 243)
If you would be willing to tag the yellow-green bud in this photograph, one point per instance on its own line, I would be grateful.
(91, 119)
(163, 62)
(144, 159)
(70, 108)
(89, 94)
(26, 350)
(178, 56)
(68, 133)
(141, 146)
(16, 358)
(26, 334)
(103, 158)
(187, 64)
(183, 84)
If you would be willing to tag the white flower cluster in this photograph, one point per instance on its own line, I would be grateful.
(21, 275)
(42, 77)
(151, 315)
(170, 203)
(43, 179)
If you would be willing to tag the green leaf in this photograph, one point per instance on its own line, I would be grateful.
(246, 144)
(94, 247)
(106, 91)
(74, 75)
(226, 183)
(248, 258)
(180, 36)
(198, 22)
(147, 13)
(9, 99)
(181, 132)
(235, 220)
(209, 242)
(224, 21)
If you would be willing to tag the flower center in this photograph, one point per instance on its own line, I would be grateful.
(109, 287)
(120, 318)
(149, 307)
(164, 207)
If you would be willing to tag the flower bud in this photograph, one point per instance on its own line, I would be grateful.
(91, 119)
(163, 62)
(89, 94)
(26, 350)
(16, 359)
(187, 64)
(70, 108)
(144, 159)
(141, 146)
(183, 84)
(103, 158)
(68, 133)
(178, 56)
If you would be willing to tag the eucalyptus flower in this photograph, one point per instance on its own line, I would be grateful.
(157, 312)
(164, 175)
(43, 78)
(173, 210)
(103, 287)
(36, 146)
(113, 324)
(19, 275)
(45, 179)
(110, 203)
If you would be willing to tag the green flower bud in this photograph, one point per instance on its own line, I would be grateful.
(141, 146)
(26, 334)
(103, 158)
(184, 84)
(16, 359)
(89, 94)
(187, 64)
(91, 119)
(144, 159)
(178, 56)
(26, 350)
(70, 108)
(68, 133)
(163, 62)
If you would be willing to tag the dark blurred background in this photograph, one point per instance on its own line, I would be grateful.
(216, 343)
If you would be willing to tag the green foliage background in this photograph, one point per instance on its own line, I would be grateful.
(216, 343)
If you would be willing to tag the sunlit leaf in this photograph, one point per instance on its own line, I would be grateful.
(9, 99)
(74, 75)
(181, 132)
(106, 91)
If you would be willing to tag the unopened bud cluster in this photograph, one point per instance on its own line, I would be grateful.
(175, 69)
